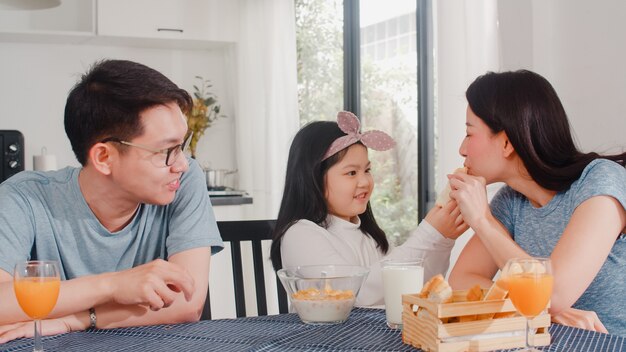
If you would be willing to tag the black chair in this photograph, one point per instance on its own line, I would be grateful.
(253, 231)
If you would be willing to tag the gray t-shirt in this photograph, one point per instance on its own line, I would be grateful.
(43, 215)
(537, 231)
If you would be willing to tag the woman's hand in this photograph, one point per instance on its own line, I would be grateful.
(584, 319)
(14, 331)
(470, 193)
(447, 220)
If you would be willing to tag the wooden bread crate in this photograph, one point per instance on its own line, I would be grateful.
(428, 327)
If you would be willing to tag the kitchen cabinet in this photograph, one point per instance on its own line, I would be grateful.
(231, 212)
(199, 21)
(173, 24)
(71, 22)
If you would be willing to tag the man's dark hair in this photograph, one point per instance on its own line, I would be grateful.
(108, 99)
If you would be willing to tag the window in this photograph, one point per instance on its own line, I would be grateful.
(386, 100)
(319, 35)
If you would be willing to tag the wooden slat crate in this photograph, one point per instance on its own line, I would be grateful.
(430, 330)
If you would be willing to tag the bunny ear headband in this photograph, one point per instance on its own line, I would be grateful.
(349, 123)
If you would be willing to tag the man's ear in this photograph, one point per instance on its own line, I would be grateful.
(507, 147)
(101, 156)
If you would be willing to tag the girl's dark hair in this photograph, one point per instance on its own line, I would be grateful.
(526, 107)
(108, 99)
(303, 196)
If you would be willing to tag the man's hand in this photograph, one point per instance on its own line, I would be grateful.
(155, 284)
(447, 220)
(583, 319)
(14, 331)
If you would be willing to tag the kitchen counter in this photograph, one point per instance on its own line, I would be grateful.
(230, 200)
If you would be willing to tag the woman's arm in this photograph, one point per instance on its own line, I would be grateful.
(584, 247)
(579, 254)
(583, 319)
(474, 266)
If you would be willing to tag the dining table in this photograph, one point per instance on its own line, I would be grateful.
(365, 330)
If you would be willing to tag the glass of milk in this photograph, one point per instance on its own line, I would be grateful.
(400, 276)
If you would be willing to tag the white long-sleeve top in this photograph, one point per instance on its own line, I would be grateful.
(306, 243)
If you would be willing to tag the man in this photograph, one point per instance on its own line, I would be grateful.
(133, 229)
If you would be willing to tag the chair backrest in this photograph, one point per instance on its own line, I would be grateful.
(254, 231)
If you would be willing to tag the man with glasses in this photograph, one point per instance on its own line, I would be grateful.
(133, 228)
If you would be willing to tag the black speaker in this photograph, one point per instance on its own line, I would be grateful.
(11, 154)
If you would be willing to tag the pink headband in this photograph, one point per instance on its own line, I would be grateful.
(349, 123)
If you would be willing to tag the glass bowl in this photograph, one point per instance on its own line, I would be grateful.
(323, 294)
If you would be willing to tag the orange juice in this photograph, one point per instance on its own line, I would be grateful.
(530, 293)
(37, 295)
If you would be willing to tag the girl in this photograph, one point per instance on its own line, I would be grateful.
(325, 215)
(557, 202)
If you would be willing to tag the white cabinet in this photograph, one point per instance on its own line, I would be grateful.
(73, 22)
(190, 20)
(193, 24)
(231, 212)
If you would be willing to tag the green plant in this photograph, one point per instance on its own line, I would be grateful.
(204, 112)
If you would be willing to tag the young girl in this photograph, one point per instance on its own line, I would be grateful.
(558, 202)
(325, 215)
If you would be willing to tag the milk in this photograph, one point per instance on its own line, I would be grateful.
(323, 311)
(399, 278)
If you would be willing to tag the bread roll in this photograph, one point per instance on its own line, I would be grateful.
(473, 294)
(498, 290)
(429, 285)
(444, 195)
(440, 291)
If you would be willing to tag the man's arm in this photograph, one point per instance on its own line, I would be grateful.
(180, 283)
(196, 262)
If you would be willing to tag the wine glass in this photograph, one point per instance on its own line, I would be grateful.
(36, 285)
(530, 282)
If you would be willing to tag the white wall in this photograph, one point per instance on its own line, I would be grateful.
(578, 46)
(36, 78)
(580, 49)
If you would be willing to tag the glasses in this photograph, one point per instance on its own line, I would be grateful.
(171, 154)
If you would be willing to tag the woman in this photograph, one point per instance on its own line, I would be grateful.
(557, 202)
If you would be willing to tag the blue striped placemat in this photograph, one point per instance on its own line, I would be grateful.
(365, 330)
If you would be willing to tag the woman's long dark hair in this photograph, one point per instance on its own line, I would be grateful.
(526, 107)
(303, 196)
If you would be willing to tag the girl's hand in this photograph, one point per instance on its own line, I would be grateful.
(447, 220)
(14, 331)
(584, 319)
(470, 192)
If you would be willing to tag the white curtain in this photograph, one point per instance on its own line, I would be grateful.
(467, 44)
(266, 105)
(482, 38)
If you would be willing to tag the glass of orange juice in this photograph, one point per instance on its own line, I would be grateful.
(36, 284)
(530, 282)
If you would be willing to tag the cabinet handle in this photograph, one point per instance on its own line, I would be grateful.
(169, 30)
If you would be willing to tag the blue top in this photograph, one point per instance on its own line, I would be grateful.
(537, 231)
(43, 215)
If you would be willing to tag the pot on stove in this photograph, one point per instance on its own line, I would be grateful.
(215, 178)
